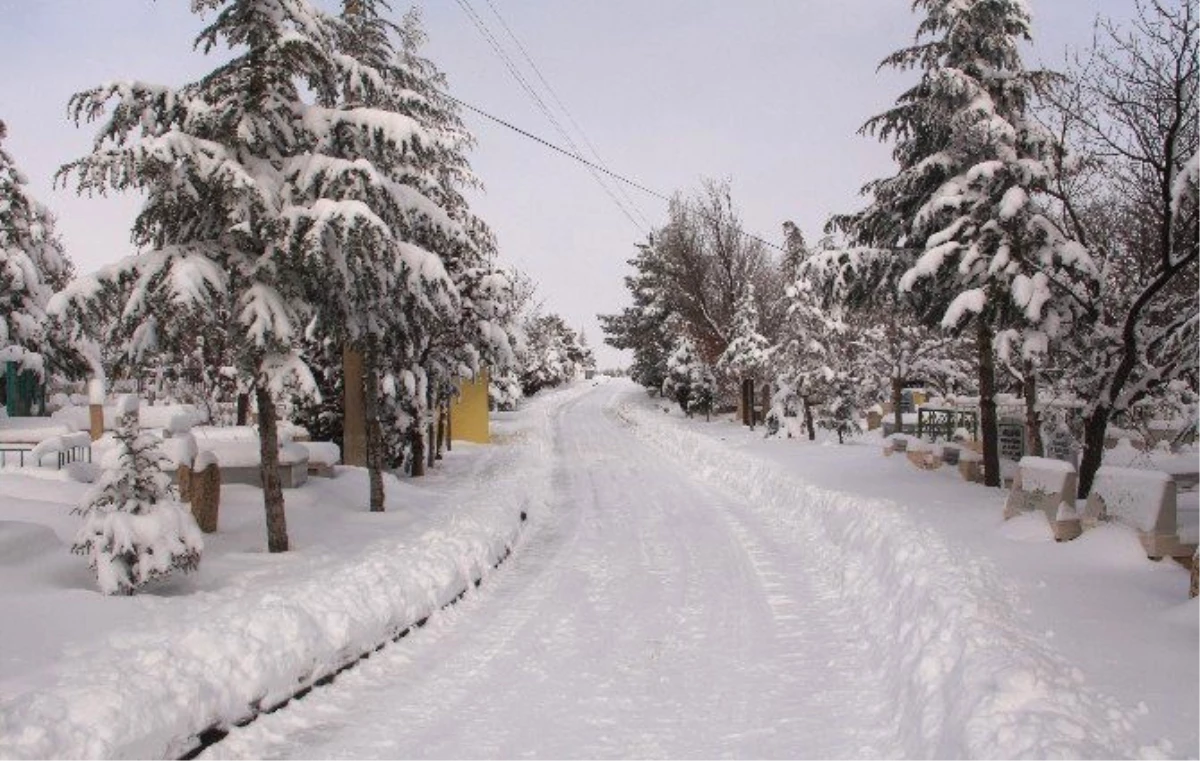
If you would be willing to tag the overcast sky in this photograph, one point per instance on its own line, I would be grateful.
(766, 93)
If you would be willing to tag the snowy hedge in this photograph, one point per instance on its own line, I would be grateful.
(147, 693)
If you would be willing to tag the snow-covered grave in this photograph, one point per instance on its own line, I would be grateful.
(239, 454)
(176, 417)
(1047, 486)
(1147, 501)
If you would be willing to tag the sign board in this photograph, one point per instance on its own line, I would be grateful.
(1011, 439)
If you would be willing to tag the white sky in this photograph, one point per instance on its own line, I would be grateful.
(767, 93)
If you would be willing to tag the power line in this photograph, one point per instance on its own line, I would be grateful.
(482, 27)
(584, 161)
(561, 106)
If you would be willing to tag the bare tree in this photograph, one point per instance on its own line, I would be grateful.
(1129, 110)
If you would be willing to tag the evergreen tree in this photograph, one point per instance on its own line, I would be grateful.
(958, 226)
(689, 381)
(641, 328)
(134, 530)
(229, 169)
(748, 353)
(32, 267)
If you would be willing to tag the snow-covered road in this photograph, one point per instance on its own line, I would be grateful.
(645, 614)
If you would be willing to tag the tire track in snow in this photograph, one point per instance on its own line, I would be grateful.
(643, 615)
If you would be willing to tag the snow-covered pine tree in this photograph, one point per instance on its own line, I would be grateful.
(553, 354)
(748, 353)
(134, 529)
(365, 223)
(958, 226)
(688, 379)
(841, 401)
(795, 251)
(225, 163)
(466, 322)
(32, 267)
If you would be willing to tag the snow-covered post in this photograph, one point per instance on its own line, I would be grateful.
(96, 406)
(134, 530)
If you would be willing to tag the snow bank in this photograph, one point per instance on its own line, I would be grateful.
(149, 691)
(322, 452)
(967, 680)
(175, 417)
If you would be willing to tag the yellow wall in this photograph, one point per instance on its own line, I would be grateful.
(469, 412)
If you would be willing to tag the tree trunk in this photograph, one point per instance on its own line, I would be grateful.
(374, 434)
(416, 443)
(431, 447)
(1194, 589)
(441, 431)
(449, 429)
(268, 434)
(1033, 421)
(808, 420)
(243, 409)
(897, 396)
(354, 419)
(988, 427)
(1095, 428)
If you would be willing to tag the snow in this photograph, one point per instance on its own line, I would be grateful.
(683, 588)
(249, 628)
(1044, 475)
(1131, 496)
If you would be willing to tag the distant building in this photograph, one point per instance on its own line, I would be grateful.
(469, 411)
(23, 392)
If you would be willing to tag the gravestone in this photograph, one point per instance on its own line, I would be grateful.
(1011, 435)
(1061, 445)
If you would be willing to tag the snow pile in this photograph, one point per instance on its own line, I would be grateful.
(1131, 496)
(967, 680)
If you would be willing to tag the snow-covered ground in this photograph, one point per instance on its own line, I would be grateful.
(682, 589)
(83, 675)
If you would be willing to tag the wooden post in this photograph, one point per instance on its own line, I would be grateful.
(354, 426)
(96, 408)
(242, 414)
(205, 495)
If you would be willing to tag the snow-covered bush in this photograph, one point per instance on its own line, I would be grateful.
(689, 381)
(134, 530)
(504, 390)
(841, 400)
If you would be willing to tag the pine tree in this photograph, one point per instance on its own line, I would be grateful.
(227, 164)
(32, 267)
(641, 328)
(748, 354)
(689, 381)
(134, 529)
(958, 227)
